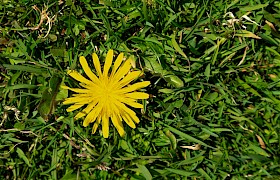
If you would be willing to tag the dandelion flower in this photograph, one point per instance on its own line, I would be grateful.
(107, 95)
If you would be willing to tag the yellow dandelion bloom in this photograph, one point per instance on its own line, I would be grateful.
(107, 94)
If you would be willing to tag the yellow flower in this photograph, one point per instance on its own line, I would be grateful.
(106, 95)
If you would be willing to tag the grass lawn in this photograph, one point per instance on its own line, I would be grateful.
(213, 110)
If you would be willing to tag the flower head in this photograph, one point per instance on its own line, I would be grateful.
(107, 95)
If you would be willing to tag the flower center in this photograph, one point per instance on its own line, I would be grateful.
(106, 89)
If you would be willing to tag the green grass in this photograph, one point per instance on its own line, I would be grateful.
(215, 106)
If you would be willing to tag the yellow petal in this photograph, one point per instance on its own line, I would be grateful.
(77, 90)
(80, 115)
(87, 70)
(105, 126)
(78, 100)
(106, 109)
(125, 109)
(123, 70)
(137, 95)
(129, 102)
(108, 62)
(87, 95)
(85, 111)
(135, 119)
(74, 74)
(128, 120)
(92, 88)
(117, 63)
(91, 117)
(74, 107)
(134, 104)
(118, 125)
(134, 87)
(96, 63)
(130, 77)
(114, 106)
(96, 124)
(132, 114)
(127, 114)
